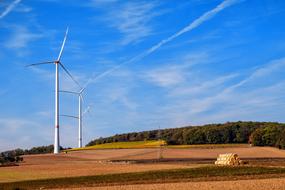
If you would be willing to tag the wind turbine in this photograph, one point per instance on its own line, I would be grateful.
(57, 62)
(80, 113)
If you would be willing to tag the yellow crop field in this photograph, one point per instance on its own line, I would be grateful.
(124, 145)
(154, 144)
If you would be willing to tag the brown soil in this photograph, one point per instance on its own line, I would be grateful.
(92, 162)
(248, 152)
(53, 166)
(256, 184)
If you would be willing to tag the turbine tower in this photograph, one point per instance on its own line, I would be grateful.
(80, 113)
(57, 62)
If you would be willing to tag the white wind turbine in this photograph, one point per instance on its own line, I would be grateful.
(80, 113)
(57, 62)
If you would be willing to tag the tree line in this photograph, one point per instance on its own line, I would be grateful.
(9, 157)
(14, 156)
(256, 133)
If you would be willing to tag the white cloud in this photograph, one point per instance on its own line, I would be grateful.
(22, 133)
(165, 77)
(46, 114)
(21, 37)
(263, 104)
(23, 8)
(249, 99)
(206, 16)
(199, 89)
(131, 18)
(13, 124)
(121, 96)
(9, 8)
(175, 72)
(197, 22)
(273, 66)
(243, 95)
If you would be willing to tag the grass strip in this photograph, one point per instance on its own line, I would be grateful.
(159, 176)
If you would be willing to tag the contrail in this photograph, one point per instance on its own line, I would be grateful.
(9, 8)
(206, 16)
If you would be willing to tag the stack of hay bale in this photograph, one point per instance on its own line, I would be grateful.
(228, 159)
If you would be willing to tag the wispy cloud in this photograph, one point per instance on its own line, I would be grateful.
(273, 66)
(9, 8)
(204, 87)
(46, 114)
(121, 96)
(223, 100)
(255, 79)
(132, 18)
(14, 124)
(22, 8)
(15, 127)
(21, 37)
(175, 72)
(165, 77)
(261, 104)
(206, 16)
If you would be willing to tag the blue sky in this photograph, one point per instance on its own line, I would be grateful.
(160, 63)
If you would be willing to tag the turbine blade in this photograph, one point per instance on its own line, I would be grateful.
(40, 63)
(70, 92)
(62, 46)
(87, 83)
(68, 73)
(87, 110)
(71, 116)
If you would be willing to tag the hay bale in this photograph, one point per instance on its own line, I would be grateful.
(229, 159)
